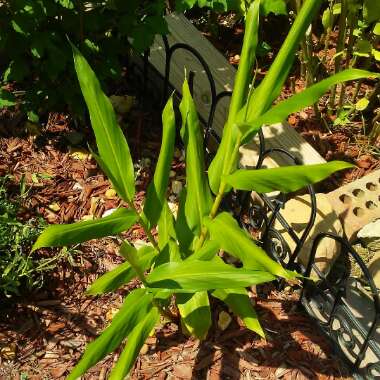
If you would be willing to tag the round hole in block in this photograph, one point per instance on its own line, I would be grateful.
(346, 199)
(359, 212)
(370, 205)
(371, 186)
(359, 193)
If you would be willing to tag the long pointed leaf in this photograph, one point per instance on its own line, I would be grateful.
(123, 273)
(166, 228)
(195, 313)
(232, 239)
(136, 306)
(112, 145)
(191, 276)
(158, 188)
(238, 301)
(66, 234)
(274, 80)
(136, 340)
(285, 179)
(184, 234)
(301, 100)
(198, 200)
(219, 164)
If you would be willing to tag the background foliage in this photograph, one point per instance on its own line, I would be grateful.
(36, 55)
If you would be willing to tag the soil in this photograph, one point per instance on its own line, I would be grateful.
(43, 335)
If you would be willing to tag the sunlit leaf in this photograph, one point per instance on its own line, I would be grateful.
(136, 340)
(67, 234)
(297, 102)
(135, 308)
(285, 179)
(123, 273)
(225, 230)
(192, 276)
(112, 145)
(157, 189)
(198, 200)
(238, 301)
(195, 313)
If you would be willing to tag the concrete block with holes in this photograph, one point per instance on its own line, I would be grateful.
(357, 204)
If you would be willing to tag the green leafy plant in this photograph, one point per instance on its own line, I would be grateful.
(36, 60)
(185, 263)
(20, 271)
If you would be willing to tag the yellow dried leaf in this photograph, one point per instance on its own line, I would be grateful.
(224, 320)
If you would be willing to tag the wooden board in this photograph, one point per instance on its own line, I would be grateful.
(183, 31)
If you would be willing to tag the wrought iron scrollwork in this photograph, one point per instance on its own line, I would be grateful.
(324, 300)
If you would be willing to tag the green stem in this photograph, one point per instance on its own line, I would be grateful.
(339, 49)
(222, 188)
(143, 224)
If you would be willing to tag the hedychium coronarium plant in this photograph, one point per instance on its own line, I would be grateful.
(183, 265)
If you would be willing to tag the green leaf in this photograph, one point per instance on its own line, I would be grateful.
(238, 301)
(376, 54)
(136, 340)
(362, 104)
(221, 164)
(157, 189)
(195, 313)
(225, 230)
(327, 19)
(208, 251)
(112, 145)
(123, 273)
(166, 229)
(7, 99)
(285, 179)
(136, 307)
(301, 100)
(376, 29)
(198, 200)
(371, 11)
(195, 275)
(169, 253)
(274, 80)
(62, 235)
(278, 7)
(184, 234)
(363, 48)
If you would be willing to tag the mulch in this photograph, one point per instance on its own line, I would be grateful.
(43, 335)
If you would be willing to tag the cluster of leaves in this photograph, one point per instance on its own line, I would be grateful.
(36, 55)
(357, 23)
(18, 269)
(267, 6)
(185, 264)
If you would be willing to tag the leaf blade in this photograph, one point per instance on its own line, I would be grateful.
(66, 234)
(238, 301)
(198, 275)
(195, 313)
(112, 144)
(285, 179)
(232, 239)
(157, 189)
(136, 340)
(136, 305)
(198, 201)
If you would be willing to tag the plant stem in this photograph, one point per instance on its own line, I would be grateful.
(222, 188)
(339, 49)
(146, 229)
(352, 23)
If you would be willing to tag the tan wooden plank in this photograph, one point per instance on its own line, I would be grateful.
(279, 135)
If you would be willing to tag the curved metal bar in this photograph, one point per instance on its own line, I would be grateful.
(276, 212)
(374, 292)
